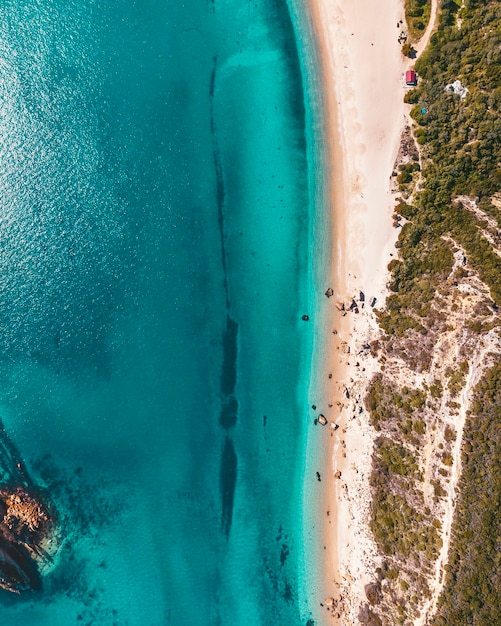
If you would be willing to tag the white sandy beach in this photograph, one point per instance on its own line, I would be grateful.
(364, 88)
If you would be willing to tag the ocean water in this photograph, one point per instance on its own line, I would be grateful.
(158, 208)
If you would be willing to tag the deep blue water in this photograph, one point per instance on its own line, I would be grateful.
(157, 212)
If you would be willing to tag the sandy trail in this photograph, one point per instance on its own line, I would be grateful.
(430, 29)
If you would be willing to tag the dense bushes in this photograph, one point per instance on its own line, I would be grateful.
(463, 135)
(400, 521)
(395, 459)
(472, 593)
(461, 152)
(387, 405)
(400, 530)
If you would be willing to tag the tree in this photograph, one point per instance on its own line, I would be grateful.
(408, 50)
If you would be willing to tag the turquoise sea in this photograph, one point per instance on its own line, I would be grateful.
(160, 203)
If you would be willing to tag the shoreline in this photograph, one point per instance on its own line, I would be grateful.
(364, 113)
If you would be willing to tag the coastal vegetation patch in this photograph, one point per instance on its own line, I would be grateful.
(472, 593)
(435, 403)
(417, 16)
(403, 519)
(459, 135)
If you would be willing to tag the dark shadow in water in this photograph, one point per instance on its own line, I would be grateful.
(229, 411)
(12, 470)
(228, 481)
(230, 347)
(18, 568)
(220, 190)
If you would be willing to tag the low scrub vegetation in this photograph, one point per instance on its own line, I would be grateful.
(417, 16)
(472, 593)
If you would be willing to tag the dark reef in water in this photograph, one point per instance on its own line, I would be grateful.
(229, 403)
(228, 417)
(229, 373)
(24, 523)
(229, 411)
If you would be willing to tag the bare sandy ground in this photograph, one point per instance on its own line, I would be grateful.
(363, 72)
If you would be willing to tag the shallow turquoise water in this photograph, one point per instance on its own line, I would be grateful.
(156, 220)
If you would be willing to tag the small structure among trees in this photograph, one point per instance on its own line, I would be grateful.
(411, 78)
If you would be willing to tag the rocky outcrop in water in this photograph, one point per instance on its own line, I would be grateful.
(25, 523)
(24, 526)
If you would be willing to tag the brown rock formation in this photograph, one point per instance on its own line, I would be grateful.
(373, 592)
(368, 618)
(24, 525)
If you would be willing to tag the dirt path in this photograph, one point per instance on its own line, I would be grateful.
(430, 29)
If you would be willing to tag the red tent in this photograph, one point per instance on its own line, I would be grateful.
(410, 77)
